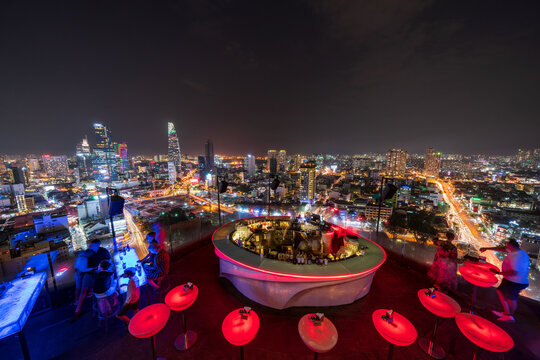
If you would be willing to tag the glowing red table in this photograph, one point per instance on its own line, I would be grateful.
(483, 333)
(179, 299)
(441, 305)
(398, 332)
(318, 338)
(148, 322)
(482, 266)
(240, 327)
(477, 277)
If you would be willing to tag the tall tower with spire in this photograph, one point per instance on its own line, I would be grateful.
(173, 146)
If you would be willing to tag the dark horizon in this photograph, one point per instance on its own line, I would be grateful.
(308, 77)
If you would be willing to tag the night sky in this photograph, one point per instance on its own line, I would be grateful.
(307, 76)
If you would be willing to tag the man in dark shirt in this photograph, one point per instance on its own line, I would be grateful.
(100, 254)
(94, 260)
(156, 264)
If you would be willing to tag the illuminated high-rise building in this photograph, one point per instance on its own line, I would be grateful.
(84, 159)
(209, 153)
(201, 165)
(432, 162)
(249, 165)
(32, 163)
(2, 165)
(175, 156)
(396, 162)
(121, 153)
(308, 184)
(55, 165)
(18, 175)
(282, 160)
(271, 163)
(103, 159)
(171, 169)
(21, 203)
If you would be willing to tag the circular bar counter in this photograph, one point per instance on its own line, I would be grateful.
(281, 284)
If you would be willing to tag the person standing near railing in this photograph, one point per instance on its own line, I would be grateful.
(515, 272)
(443, 271)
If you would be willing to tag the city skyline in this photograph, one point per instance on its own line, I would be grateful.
(457, 76)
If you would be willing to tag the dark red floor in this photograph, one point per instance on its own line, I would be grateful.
(51, 335)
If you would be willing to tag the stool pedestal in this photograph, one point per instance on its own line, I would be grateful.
(429, 346)
(187, 338)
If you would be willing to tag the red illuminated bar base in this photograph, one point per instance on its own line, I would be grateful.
(281, 263)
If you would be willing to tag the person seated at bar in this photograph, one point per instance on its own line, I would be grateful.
(105, 287)
(156, 264)
(443, 271)
(132, 296)
(99, 254)
(159, 234)
(81, 268)
(515, 272)
(151, 236)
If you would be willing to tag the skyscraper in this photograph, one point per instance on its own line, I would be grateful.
(84, 159)
(272, 161)
(175, 156)
(121, 152)
(103, 160)
(249, 165)
(201, 164)
(18, 175)
(308, 184)
(209, 153)
(432, 162)
(171, 168)
(282, 160)
(32, 163)
(396, 162)
(2, 165)
(55, 165)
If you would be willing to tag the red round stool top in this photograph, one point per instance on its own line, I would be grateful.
(149, 321)
(475, 276)
(240, 329)
(319, 338)
(181, 297)
(484, 333)
(398, 332)
(441, 304)
(482, 266)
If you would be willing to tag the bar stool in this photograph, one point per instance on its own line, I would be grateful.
(477, 277)
(318, 333)
(441, 305)
(483, 333)
(240, 327)
(394, 328)
(179, 299)
(148, 322)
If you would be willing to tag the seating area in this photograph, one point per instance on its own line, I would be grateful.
(51, 335)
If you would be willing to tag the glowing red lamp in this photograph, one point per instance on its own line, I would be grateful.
(148, 322)
(478, 276)
(179, 299)
(317, 332)
(240, 327)
(482, 266)
(394, 328)
(441, 305)
(484, 333)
